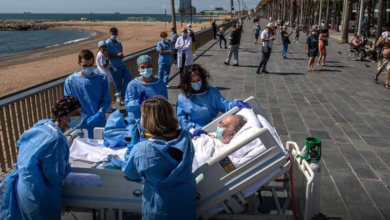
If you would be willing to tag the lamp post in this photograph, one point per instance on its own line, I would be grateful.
(173, 13)
(319, 16)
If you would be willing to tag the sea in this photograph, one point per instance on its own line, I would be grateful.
(12, 42)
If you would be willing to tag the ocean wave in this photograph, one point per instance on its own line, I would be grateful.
(72, 41)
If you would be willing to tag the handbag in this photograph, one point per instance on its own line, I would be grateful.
(264, 49)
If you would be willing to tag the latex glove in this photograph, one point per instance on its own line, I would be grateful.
(198, 132)
(241, 105)
(142, 97)
(94, 119)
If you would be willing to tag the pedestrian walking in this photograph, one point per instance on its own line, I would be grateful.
(267, 38)
(214, 25)
(286, 41)
(256, 31)
(312, 48)
(322, 43)
(384, 60)
(296, 38)
(234, 43)
(221, 34)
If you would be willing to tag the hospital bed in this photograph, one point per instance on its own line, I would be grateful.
(220, 185)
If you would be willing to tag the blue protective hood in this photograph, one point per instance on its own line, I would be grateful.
(116, 131)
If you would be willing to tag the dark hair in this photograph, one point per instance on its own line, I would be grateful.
(158, 116)
(86, 55)
(323, 31)
(113, 30)
(174, 30)
(185, 83)
(163, 34)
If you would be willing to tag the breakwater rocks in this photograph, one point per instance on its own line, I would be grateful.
(23, 25)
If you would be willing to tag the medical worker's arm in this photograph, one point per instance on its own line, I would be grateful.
(178, 45)
(67, 88)
(164, 91)
(106, 99)
(223, 104)
(183, 118)
(129, 166)
(188, 45)
(131, 99)
(55, 161)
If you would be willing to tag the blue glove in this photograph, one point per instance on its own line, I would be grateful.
(142, 97)
(198, 132)
(94, 119)
(241, 105)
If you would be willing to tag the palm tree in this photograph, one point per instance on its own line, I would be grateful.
(380, 19)
(348, 5)
(327, 14)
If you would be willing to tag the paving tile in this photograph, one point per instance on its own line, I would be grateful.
(380, 195)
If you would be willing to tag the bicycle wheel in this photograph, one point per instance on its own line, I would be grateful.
(351, 54)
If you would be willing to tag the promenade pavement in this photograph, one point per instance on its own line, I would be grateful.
(338, 103)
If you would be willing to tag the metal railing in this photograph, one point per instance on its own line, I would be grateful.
(21, 110)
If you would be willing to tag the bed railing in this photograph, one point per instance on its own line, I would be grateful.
(21, 110)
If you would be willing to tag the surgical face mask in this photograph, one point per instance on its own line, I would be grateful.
(219, 132)
(146, 72)
(87, 70)
(164, 39)
(313, 33)
(172, 33)
(183, 34)
(196, 86)
(113, 37)
(75, 122)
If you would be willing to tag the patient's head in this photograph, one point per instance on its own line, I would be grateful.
(229, 127)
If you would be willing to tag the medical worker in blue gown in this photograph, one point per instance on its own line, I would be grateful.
(121, 76)
(164, 163)
(199, 103)
(33, 191)
(90, 87)
(143, 87)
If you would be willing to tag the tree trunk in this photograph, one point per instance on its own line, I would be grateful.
(368, 23)
(327, 14)
(380, 19)
(344, 38)
(357, 18)
(173, 14)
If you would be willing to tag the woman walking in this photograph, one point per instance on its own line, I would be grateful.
(296, 34)
(323, 42)
(286, 41)
(256, 31)
(221, 34)
(312, 48)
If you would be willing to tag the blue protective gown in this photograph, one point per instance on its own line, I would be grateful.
(169, 191)
(93, 94)
(198, 110)
(43, 162)
(135, 87)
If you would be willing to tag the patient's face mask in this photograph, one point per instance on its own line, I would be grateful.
(219, 132)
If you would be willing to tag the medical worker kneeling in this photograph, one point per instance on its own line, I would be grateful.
(199, 103)
(164, 162)
(143, 87)
(33, 191)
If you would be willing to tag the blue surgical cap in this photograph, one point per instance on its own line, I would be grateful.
(101, 43)
(144, 59)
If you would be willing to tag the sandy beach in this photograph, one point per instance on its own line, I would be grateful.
(27, 69)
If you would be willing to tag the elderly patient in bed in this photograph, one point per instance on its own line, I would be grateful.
(229, 131)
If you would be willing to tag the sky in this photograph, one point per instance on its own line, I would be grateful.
(109, 6)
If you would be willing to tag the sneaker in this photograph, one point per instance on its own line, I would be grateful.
(167, 86)
(221, 47)
(226, 47)
(257, 72)
(264, 71)
(235, 65)
(122, 103)
(119, 97)
(226, 63)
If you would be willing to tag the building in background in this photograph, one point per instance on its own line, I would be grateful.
(217, 11)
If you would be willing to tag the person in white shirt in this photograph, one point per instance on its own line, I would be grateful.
(184, 51)
(105, 68)
(267, 38)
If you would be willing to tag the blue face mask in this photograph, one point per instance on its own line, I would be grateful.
(196, 86)
(87, 70)
(220, 132)
(113, 37)
(164, 39)
(183, 34)
(75, 122)
(146, 72)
